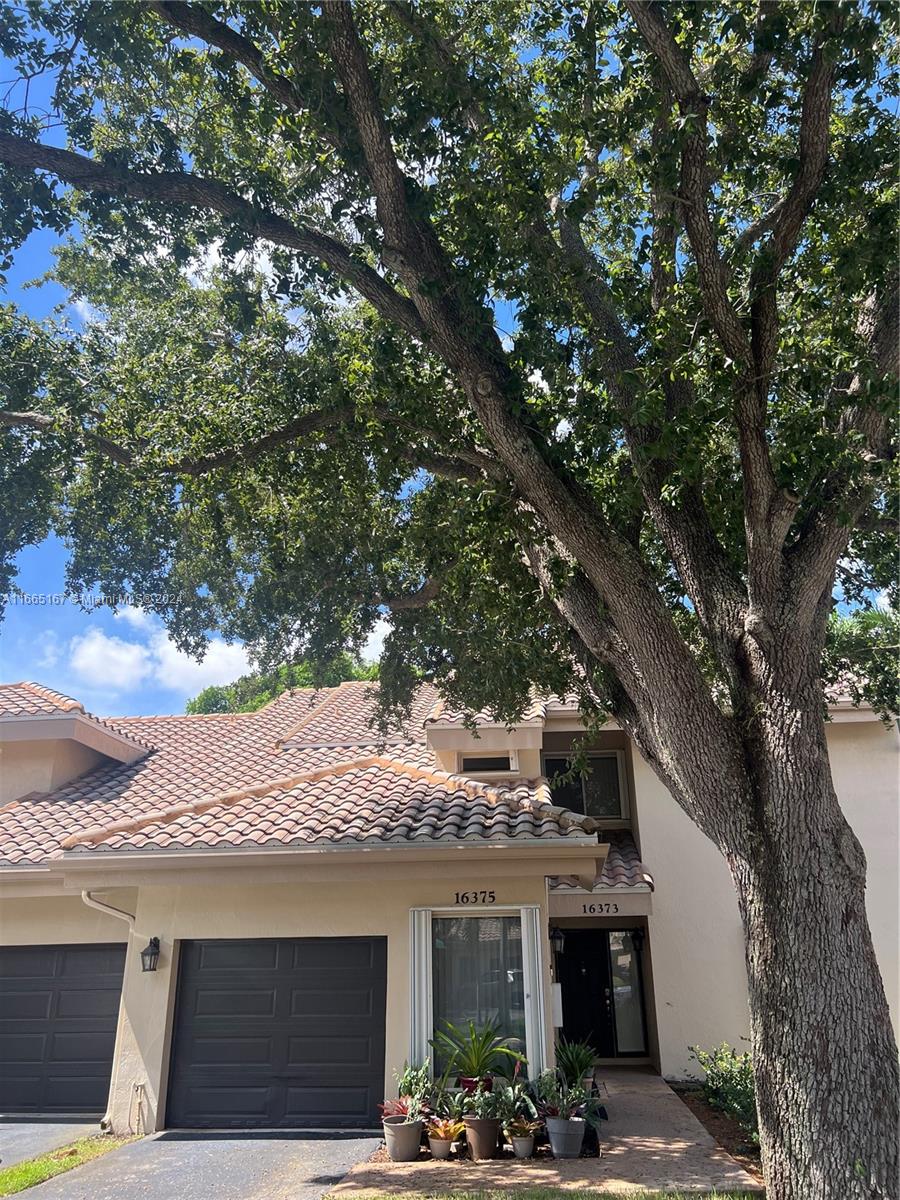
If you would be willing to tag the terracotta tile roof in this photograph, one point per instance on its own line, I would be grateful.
(197, 757)
(622, 867)
(26, 699)
(345, 714)
(536, 711)
(370, 801)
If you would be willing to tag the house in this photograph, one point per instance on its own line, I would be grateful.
(254, 919)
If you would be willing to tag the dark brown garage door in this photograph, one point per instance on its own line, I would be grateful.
(279, 1034)
(59, 1006)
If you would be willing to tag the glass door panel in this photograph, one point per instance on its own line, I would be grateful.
(627, 994)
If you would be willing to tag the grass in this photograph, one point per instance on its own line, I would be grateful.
(35, 1170)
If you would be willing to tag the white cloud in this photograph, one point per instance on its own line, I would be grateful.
(178, 672)
(374, 643)
(137, 618)
(86, 313)
(50, 650)
(115, 664)
(103, 661)
(883, 600)
(537, 378)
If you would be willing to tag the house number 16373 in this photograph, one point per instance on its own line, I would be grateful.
(476, 898)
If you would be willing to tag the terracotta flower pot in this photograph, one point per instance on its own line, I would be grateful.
(469, 1083)
(402, 1138)
(482, 1135)
(440, 1147)
(566, 1136)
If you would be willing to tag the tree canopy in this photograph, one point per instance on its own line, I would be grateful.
(255, 690)
(238, 433)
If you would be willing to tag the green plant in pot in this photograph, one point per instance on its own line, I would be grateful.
(476, 1053)
(566, 1111)
(520, 1131)
(442, 1133)
(575, 1062)
(402, 1119)
(482, 1122)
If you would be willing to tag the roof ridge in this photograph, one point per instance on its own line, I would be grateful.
(472, 787)
(46, 693)
(315, 710)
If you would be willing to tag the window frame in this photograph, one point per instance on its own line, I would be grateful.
(624, 796)
(421, 996)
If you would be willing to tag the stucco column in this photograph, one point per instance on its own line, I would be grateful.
(137, 1092)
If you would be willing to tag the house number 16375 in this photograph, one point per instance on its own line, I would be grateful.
(476, 898)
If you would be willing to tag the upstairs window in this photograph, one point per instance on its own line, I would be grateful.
(473, 764)
(599, 793)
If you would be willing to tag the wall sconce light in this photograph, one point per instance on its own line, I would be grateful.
(557, 940)
(150, 955)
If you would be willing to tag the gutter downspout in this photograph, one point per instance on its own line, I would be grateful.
(109, 909)
(122, 915)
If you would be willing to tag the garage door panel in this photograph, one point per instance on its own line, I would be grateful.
(319, 1033)
(236, 956)
(57, 1032)
(89, 1004)
(25, 1006)
(234, 1002)
(321, 1002)
(317, 1105)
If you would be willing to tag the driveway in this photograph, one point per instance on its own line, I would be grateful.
(27, 1139)
(185, 1165)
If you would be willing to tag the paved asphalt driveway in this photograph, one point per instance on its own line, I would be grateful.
(28, 1139)
(185, 1165)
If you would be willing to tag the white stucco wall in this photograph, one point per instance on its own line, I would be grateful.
(42, 765)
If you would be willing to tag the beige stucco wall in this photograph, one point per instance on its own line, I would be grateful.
(46, 920)
(278, 910)
(696, 942)
(42, 765)
(865, 758)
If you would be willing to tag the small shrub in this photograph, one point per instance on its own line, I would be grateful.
(728, 1085)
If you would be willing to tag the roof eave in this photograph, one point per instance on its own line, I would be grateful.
(72, 726)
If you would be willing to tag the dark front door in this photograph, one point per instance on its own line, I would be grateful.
(602, 991)
(59, 1007)
(279, 1033)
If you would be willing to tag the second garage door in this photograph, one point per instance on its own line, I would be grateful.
(279, 1033)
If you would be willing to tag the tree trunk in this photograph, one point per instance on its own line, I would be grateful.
(824, 1053)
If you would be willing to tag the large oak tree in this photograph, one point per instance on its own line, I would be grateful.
(565, 333)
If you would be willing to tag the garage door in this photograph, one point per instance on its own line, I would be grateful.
(59, 1006)
(277, 1034)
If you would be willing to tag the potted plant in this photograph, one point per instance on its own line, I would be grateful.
(442, 1133)
(566, 1111)
(575, 1062)
(520, 1131)
(474, 1053)
(402, 1119)
(482, 1124)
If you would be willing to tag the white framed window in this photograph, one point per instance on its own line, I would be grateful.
(488, 764)
(485, 965)
(601, 792)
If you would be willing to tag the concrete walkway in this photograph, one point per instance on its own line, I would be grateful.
(188, 1165)
(651, 1142)
(20, 1140)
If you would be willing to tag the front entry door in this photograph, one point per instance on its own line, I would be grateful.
(602, 991)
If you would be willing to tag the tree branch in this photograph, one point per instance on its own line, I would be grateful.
(192, 191)
(791, 212)
(198, 23)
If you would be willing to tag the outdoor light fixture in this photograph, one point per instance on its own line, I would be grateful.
(150, 955)
(557, 940)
